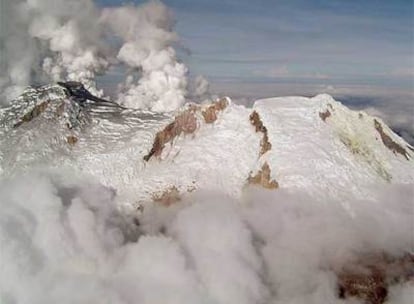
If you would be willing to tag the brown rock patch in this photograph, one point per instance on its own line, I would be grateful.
(36, 111)
(60, 109)
(369, 278)
(255, 120)
(186, 123)
(170, 196)
(368, 286)
(262, 178)
(72, 140)
(388, 142)
(324, 115)
(210, 113)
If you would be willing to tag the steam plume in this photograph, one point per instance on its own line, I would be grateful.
(44, 40)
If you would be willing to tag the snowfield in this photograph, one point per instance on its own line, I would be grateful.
(226, 208)
(342, 155)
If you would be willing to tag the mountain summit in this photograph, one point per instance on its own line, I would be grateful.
(294, 200)
(312, 144)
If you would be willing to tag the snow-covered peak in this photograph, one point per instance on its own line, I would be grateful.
(280, 202)
(48, 104)
(285, 142)
(323, 146)
(313, 144)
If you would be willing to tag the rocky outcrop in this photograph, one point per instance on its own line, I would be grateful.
(265, 145)
(262, 178)
(171, 195)
(324, 115)
(211, 112)
(35, 112)
(60, 109)
(388, 142)
(168, 197)
(35, 104)
(185, 123)
(72, 140)
(369, 278)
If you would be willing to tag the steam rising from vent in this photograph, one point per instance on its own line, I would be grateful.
(44, 40)
(147, 35)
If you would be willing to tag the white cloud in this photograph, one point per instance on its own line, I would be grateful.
(220, 246)
(64, 241)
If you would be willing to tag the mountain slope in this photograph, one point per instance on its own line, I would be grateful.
(336, 153)
(313, 144)
(296, 200)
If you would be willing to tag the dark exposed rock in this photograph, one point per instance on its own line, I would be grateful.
(186, 123)
(72, 140)
(369, 277)
(210, 113)
(170, 196)
(35, 112)
(263, 179)
(255, 120)
(388, 142)
(324, 115)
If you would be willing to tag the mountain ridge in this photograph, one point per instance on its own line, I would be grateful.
(284, 142)
(292, 200)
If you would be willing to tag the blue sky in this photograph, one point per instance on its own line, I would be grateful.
(281, 47)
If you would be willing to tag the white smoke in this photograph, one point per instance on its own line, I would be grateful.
(44, 40)
(147, 36)
(201, 86)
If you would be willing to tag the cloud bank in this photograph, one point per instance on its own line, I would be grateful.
(63, 240)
